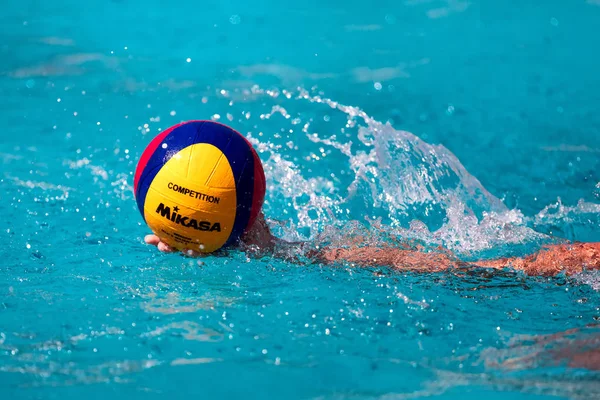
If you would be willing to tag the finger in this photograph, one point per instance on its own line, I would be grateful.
(152, 239)
(165, 248)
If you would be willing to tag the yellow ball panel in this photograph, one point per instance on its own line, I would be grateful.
(191, 203)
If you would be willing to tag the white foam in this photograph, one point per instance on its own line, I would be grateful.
(394, 172)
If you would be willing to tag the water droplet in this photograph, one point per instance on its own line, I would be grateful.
(235, 19)
(377, 86)
(164, 146)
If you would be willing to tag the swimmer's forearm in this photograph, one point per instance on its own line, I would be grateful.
(402, 259)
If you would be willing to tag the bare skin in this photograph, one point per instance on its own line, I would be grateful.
(569, 258)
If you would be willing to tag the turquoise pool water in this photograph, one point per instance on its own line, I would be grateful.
(468, 124)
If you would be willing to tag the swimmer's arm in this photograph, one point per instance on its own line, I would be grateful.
(550, 261)
(397, 258)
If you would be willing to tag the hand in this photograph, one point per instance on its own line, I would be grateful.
(165, 248)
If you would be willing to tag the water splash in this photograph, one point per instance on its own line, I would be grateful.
(558, 212)
(392, 179)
